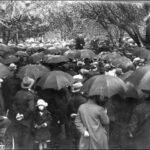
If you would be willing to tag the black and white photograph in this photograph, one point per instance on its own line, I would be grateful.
(74, 75)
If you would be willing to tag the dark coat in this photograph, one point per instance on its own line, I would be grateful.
(42, 134)
(24, 103)
(75, 101)
(79, 43)
(139, 126)
(11, 84)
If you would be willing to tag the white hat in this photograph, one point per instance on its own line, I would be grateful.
(80, 63)
(78, 77)
(84, 71)
(76, 87)
(27, 83)
(136, 59)
(41, 102)
(12, 66)
(1, 80)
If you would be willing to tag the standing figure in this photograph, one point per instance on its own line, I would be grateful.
(79, 42)
(21, 114)
(91, 121)
(139, 124)
(41, 123)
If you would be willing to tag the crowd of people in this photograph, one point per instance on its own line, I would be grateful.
(34, 115)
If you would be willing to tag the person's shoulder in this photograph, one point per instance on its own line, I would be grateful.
(82, 106)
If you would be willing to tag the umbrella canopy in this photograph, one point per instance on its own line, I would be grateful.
(52, 51)
(54, 59)
(140, 79)
(85, 53)
(126, 75)
(33, 71)
(109, 56)
(2, 60)
(4, 71)
(55, 80)
(122, 62)
(104, 85)
(36, 57)
(11, 59)
(71, 54)
(21, 53)
(5, 48)
(141, 52)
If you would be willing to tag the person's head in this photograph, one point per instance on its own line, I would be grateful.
(87, 61)
(119, 71)
(99, 100)
(12, 67)
(76, 87)
(80, 36)
(41, 104)
(27, 83)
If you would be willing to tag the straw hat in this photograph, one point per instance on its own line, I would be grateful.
(41, 102)
(27, 83)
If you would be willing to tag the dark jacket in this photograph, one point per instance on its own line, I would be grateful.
(45, 118)
(75, 101)
(79, 43)
(24, 103)
(139, 126)
(43, 133)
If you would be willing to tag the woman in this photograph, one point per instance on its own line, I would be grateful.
(91, 121)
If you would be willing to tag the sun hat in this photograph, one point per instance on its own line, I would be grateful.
(41, 102)
(27, 83)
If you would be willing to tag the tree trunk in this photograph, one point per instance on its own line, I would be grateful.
(133, 34)
(5, 36)
(120, 40)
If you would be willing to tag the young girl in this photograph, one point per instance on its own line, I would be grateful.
(41, 123)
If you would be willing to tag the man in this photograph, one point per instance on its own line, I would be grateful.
(76, 100)
(79, 42)
(22, 109)
(139, 125)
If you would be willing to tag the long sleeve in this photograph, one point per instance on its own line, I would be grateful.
(79, 124)
(133, 125)
(104, 117)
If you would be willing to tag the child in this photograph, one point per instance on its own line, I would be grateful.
(41, 122)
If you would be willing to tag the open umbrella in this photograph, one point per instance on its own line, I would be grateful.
(36, 57)
(122, 62)
(71, 54)
(21, 53)
(33, 71)
(55, 80)
(139, 79)
(4, 71)
(104, 85)
(11, 59)
(141, 52)
(126, 75)
(5, 48)
(52, 51)
(85, 53)
(54, 59)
